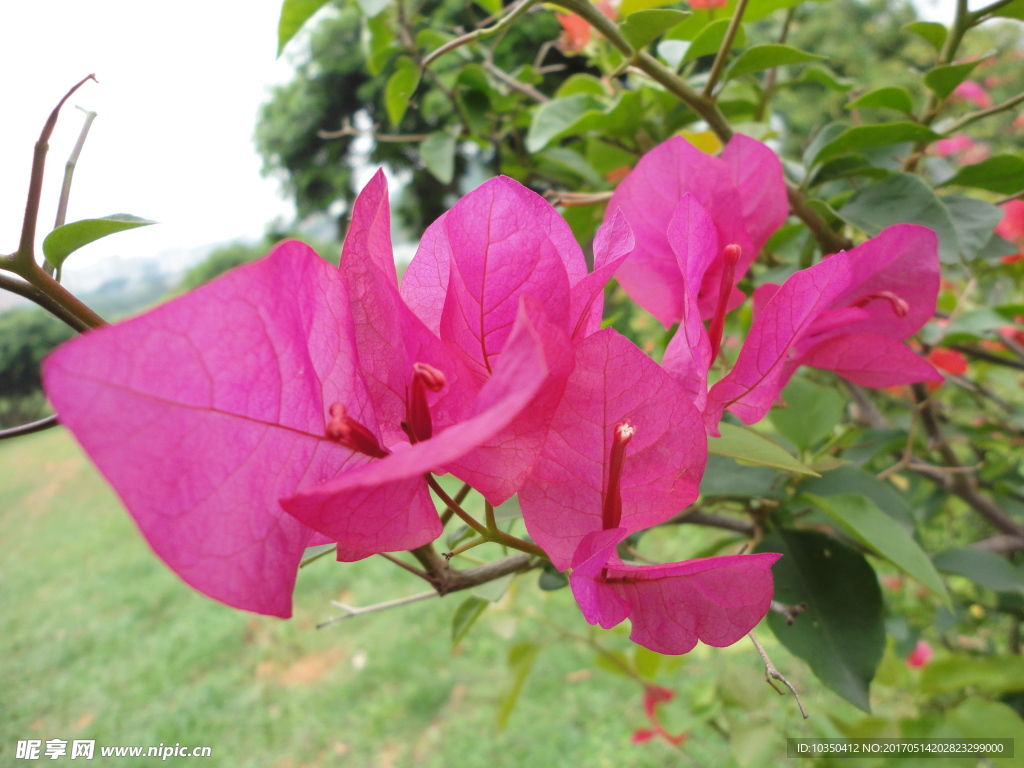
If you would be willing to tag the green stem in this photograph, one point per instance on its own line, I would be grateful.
(466, 547)
(480, 34)
(723, 51)
(773, 73)
(65, 188)
(981, 114)
(492, 524)
(454, 506)
(459, 498)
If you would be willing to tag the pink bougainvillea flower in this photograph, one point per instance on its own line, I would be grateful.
(849, 313)
(576, 30)
(976, 154)
(743, 192)
(626, 451)
(920, 656)
(716, 600)
(973, 93)
(498, 245)
(1012, 228)
(954, 145)
(291, 382)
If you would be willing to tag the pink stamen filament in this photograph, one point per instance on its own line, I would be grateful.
(343, 429)
(731, 257)
(417, 413)
(611, 513)
(899, 306)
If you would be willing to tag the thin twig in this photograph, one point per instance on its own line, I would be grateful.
(347, 129)
(787, 611)
(516, 85)
(988, 357)
(513, 13)
(352, 611)
(723, 50)
(313, 558)
(695, 517)
(771, 673)
(30, 292)
(28, 429)
(981, 114)
(65, 189)
(402, 564)
(576, 199)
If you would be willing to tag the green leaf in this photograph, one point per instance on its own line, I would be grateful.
(879, 135)
(885, 98)
(648, 662)
(493, 591)
(710, 39)
(400, 88)
(724, 477)
(642, 27)
(989, 674)
(520, 661)
(294, 13)
(1002, 173)
(630, 7)
(841, 635)
(580, 83)
(972, 325)
(812, 410)
(551, 578)
(466, 614)
(563, 157)
(379, 43)
(438, 153)
(1014, 10)
(932, 32)
(822, 75)
(943, 80)
(747, 445)
(768, 56)
(66, 239)
(493, 7)
(558, 116)
(858, 516)
(851, 479)
(903, 199)
(974, 220)
(979, 719)
(985, 568)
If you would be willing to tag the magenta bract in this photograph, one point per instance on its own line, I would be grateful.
(744, 193)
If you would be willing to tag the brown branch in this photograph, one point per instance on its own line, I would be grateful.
(696, 517)
(988, 357)
(33, 294)
(445, 579)
(28, 429)
(516, 85)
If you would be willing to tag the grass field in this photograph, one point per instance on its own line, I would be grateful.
(98, 640)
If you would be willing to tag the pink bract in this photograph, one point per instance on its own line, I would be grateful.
(848, 313)
(744, 193)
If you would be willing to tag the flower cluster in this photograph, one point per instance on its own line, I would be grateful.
(292, 403)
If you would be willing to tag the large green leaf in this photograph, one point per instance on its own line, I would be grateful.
(724, 477)
(294, 13)
(400, 88)
(879, 135)
(932, 32)
(466, 614)
(985, 568)
(438, 153)
(810, 413)
(851, 479)
(943, 80)
(768, 56)
(629, 7)
(974, 220)
(558, 116)
(858, 516)
(520, 661)
(841, 634)
(885, 98)
(747, 445)
(903, 199)
(1003, 174)
(989, 674)
(1014, 10)
(710, 40)
(642, 27)
(66, 239)
(817, 73)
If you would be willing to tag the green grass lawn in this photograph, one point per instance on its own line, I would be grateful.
(99, 640)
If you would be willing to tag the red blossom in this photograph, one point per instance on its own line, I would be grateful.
(973, 93)
(920, 656)
(1012, 228)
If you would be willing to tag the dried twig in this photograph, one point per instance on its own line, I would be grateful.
(771, 673)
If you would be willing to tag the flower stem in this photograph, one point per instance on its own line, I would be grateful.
(723, 51)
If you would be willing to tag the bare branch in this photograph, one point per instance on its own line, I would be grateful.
(771, 673)
(28, 429)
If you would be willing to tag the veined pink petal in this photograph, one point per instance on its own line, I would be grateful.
(693, 239)
(341, 508)
(648, 197)
(612, 244)
(613, 382)
(716, 600)
(205, 411)
(498, 243)
(390, 338)
(750, 388)
(871, 361)
(903, 261)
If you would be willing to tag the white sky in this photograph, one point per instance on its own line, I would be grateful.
(180, 85)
